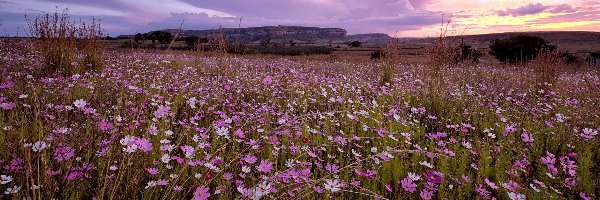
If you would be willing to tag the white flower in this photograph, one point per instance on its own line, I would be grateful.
(516, 196)
(534, 188)
(413, 176)
(126, 140)
(151, 184)
(192, 102)
(80, 103)
(223, 132)
(466, 144)
(246, 169)
(130, 148)
(373, 149)
(426, 164)
(198, 176)
(113, 168)
(36, 187)
(165, 158)
(590, 132)
(169, 132)
(290, 163)
(12, 190)
(4, 179)
(333, 185)
(23, 96)
(165, 141)
(39, 146)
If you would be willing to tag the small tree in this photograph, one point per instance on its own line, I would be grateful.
(162, 37)
(520, 48)
(192, 42)
(138, 38)
(377, 54)
(355, 44)
(464, 53)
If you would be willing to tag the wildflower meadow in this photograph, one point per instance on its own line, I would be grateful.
(163, 125)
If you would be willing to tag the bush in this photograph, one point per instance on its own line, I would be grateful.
(569, 58)
(377, 54)
(595, 54)
(162, 37)
(519, 49)
(355, 44)
(464, 53)
(192, 42)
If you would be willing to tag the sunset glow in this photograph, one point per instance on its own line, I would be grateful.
(406, 18)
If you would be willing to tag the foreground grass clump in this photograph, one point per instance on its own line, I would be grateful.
(161, 126)
(67, 47)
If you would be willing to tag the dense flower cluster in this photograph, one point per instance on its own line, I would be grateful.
(171, 126)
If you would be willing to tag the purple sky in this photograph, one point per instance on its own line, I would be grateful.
(420, 18)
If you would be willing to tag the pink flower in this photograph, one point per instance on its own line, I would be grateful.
(408, 185)
(584, 196)
(63, 153)
(527, 137)
(509, 129)
(163, 182)
(426, 194)
(550, 159)
(433, 177)
(250, 159)
(105, 126)
(332, 168)
(201, 193)
(152, 171)
(466, 178)
(144, 144)
(491, 184)
(188, 150)
(162, 112)
(239, 133)
(8, 106)
(265, 166)
(268, 80)
(388, 187)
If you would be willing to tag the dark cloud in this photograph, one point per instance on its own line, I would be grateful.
(532, 9)
(529, 9)
(563, 8)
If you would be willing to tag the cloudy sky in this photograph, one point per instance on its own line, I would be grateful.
(401, 18)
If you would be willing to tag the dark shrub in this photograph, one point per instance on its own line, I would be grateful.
(520, 48)
(464, 53)
(192, 42)
(355, 44)
(162, 37)
(569, 58)
(377, 54)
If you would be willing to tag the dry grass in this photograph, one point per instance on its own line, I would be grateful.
(60, 41)
(547, 67)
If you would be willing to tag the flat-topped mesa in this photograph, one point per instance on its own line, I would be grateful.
(254, 34)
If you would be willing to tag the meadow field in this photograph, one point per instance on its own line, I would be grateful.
(164, 125)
